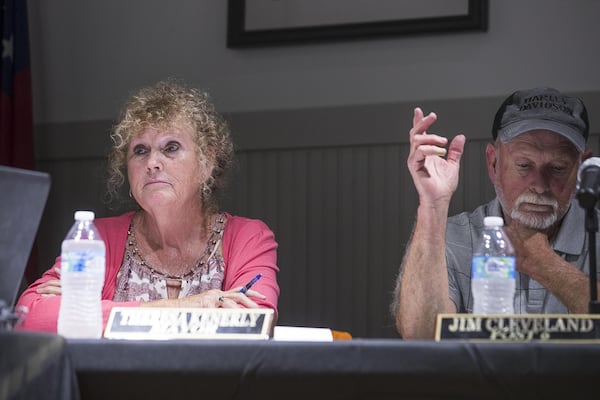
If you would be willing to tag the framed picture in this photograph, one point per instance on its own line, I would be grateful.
(282, 22)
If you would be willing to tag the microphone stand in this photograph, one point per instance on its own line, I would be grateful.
(591, 226)
(588, 193)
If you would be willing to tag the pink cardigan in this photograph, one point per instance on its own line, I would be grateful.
(249, 247)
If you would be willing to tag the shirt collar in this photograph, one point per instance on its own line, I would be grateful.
(571, 235)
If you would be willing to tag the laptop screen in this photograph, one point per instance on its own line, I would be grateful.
(23, 195)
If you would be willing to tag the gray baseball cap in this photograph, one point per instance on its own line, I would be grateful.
(542, 109)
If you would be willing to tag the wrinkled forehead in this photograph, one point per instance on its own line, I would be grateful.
(543, 140)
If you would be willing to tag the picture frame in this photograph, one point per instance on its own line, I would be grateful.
(259, 23)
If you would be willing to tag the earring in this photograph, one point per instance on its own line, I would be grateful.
(205, 190)
(130, 193)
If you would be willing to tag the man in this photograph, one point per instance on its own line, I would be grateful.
(539, 144)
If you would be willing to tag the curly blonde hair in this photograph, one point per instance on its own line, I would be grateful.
(160, 106)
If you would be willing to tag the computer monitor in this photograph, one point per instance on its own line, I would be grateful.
(23, 195)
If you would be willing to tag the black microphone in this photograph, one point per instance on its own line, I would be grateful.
(588, 183)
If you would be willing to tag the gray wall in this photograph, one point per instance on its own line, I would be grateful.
(87, 55)
(320, 129)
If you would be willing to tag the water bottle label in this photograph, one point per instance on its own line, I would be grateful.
(77, 261)
(485, 267)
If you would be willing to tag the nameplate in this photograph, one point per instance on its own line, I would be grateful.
(525, 327)
(188, 323)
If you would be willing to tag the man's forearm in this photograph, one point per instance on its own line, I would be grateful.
(422, 289)
(567, 283)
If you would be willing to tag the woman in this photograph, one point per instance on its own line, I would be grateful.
(178, 249)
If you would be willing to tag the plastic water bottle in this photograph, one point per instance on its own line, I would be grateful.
(493, 270)
(83, 262)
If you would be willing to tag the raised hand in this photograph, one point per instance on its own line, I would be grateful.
(434, 176)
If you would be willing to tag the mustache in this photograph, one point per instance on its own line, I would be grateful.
(541, 200)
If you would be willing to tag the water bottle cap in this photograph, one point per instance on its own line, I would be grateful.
(493, 221)
(84, 215)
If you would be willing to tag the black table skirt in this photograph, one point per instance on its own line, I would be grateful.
(35, 366)
(357, 369)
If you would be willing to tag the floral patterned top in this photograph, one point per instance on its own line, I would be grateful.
(139, 281)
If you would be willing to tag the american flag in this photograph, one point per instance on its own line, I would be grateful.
(16, 121)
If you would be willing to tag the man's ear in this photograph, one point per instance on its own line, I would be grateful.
(491, 158)
(587, 153)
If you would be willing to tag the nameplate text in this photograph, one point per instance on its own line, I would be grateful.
(189, 323)
(524, 327)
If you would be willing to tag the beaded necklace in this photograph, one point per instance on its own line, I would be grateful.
(209, 250)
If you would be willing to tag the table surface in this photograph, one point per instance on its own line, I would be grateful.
(356, 369)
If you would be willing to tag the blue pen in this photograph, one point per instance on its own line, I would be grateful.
(249, 284)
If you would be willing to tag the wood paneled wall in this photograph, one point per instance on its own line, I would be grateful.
(342, 217)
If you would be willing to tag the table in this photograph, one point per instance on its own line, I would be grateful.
(35, 366)
(356, 369)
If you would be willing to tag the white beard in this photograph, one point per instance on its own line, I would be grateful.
(532, 220)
